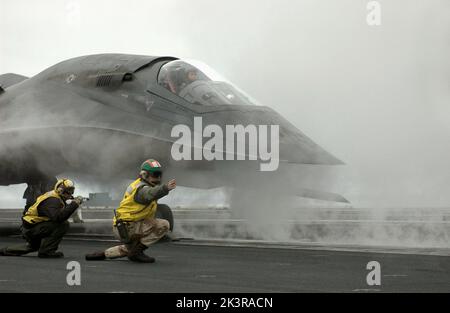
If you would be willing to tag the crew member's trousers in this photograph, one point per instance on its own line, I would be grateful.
(147, 232)
(44, 237)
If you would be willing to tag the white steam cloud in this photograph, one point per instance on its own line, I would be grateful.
(375, 97)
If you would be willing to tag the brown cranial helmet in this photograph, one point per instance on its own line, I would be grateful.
(65, 187)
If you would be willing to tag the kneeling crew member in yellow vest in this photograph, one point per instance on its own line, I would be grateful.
(45, 223)
(136, 213)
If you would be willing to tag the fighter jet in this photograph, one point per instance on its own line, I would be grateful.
(104, 114)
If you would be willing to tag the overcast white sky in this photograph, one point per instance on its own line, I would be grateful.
(376, 97)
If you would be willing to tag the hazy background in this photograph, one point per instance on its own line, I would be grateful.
(378, 97)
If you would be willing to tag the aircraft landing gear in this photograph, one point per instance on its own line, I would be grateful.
(163, 211)
(37, 188)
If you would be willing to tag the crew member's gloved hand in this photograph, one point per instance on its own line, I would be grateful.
(78, 200)
(172, 184)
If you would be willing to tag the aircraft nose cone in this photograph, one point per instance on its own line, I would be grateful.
(294, 146)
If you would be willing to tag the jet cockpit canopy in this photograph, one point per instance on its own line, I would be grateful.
(198, 83)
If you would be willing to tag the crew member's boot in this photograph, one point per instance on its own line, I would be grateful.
(137, 254)
(96, 256)
(17, 250)
(5, 252)
(51, 255)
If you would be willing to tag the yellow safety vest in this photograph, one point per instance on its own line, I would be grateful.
(32, 215)
(131, 211)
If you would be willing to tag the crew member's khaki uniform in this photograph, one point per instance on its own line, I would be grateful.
(147, 231)
(137, 209)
